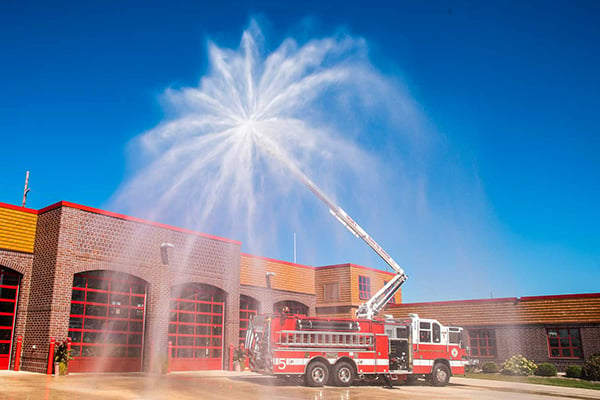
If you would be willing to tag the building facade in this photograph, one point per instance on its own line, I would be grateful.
(562, 330)
(121, 288)
(125, 290)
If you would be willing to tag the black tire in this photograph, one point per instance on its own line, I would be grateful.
(343, 374)
(440, 375)
(317, 374)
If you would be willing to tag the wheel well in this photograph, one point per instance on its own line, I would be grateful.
(319, 358)
(445, 362)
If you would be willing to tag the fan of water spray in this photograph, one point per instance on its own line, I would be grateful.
(216, 164)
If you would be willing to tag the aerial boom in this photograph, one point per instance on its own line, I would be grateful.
(370, 308)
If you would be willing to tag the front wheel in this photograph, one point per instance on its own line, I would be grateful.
(316, 374)
(343, 374)
(440, 375)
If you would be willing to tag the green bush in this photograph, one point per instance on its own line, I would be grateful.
(546, 369)
(470, 368)
(591, 368)
(573, 371)
(490, 367)
(62, 356)
(518, 365)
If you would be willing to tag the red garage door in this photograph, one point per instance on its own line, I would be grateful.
(196, 327)
(9, 292)
(107, 322)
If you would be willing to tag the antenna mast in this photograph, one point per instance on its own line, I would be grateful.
(26, 189)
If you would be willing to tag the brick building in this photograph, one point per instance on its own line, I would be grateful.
(121, 288)
(563, 329)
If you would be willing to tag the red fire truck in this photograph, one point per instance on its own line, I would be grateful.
(337, 351)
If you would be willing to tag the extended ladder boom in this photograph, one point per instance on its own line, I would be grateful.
(370, 308)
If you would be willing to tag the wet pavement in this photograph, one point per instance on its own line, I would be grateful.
(217, 385)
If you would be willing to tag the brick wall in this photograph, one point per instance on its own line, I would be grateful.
(41, 303)
(346, 275)
(531, 342)
(72, 240)
(288, 276)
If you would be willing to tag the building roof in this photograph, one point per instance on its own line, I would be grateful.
(559, 309)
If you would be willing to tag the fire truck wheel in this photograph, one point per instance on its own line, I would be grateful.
(440, 376)
(317, 374)
(343, 374)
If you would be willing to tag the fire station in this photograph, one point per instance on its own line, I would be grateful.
(123, 290)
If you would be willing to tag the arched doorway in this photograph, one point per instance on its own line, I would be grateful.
(9, 295)
(293, 307)
(248, 308)
(196, 327)
(106, 325)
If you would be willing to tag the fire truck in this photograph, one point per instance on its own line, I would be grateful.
(338, 351)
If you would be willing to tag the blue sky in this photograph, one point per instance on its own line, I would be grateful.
(510, 89)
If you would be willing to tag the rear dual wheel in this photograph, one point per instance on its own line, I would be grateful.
(343, 374)
(317, 374)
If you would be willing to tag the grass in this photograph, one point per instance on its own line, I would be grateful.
(539, 380)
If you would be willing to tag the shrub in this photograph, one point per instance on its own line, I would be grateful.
(573, 371)
(490, 367)
(546, 369)
(518, 365)
(239, 355)
(591, 368)
(62, 356)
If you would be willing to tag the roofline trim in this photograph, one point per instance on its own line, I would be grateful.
(502, 299)
(18, 208)
(496, 300)
(350, 265)
(277, 261)
(134, 219)
(560, 296)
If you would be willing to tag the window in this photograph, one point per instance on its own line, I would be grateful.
(455, 336)
(402, 332)
(331, 291)
(436, 329)
(292, 307)
(364, 287)
(425, 332)
(564, 343)
(483, 342)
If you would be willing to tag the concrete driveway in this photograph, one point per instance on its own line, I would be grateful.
(217, 385)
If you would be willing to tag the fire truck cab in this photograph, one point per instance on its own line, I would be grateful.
(424, 347)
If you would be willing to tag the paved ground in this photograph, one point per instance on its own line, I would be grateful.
(217, 385)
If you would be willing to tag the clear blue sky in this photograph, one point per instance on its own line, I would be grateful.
(511, 88)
